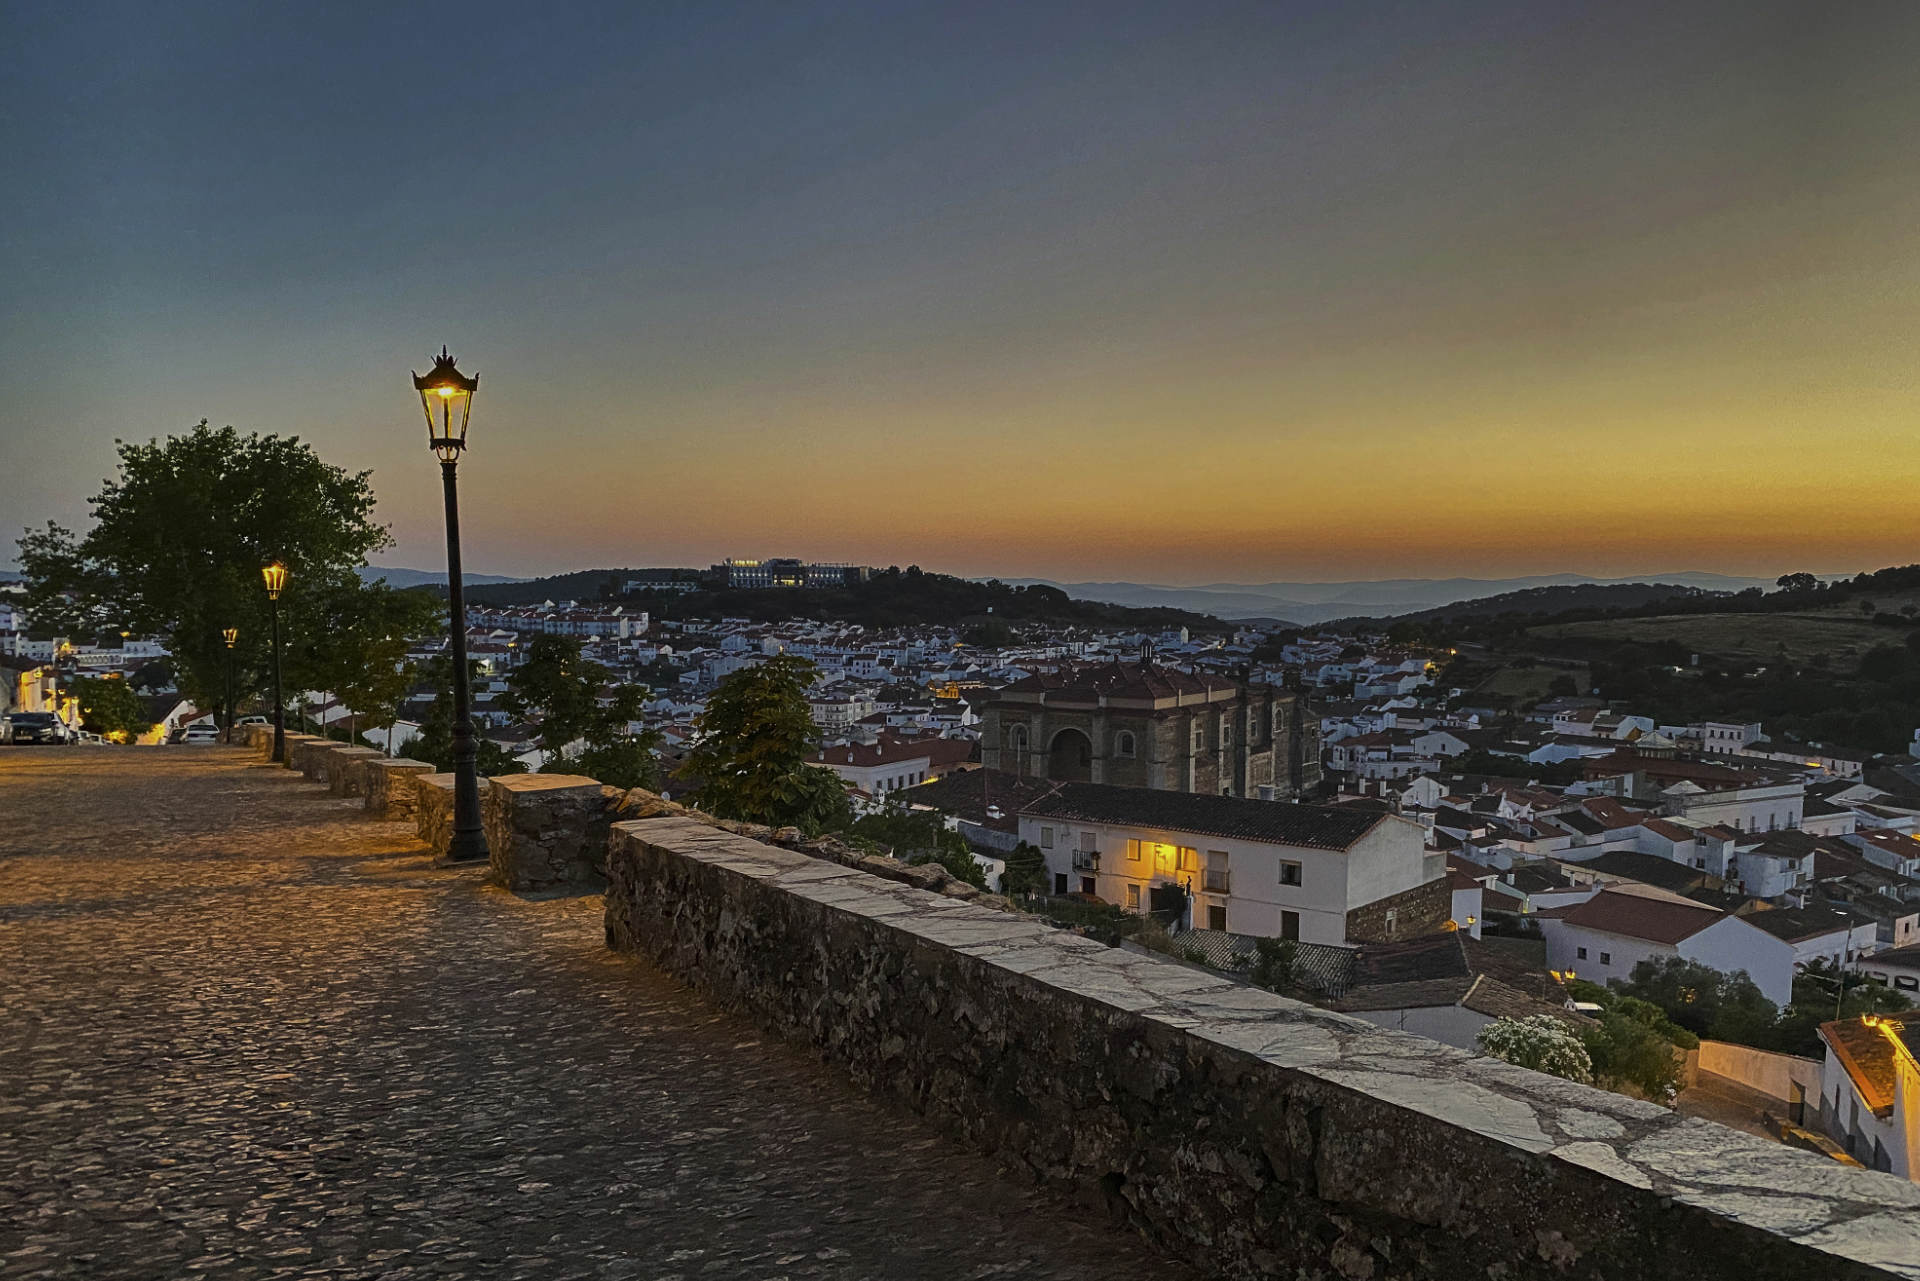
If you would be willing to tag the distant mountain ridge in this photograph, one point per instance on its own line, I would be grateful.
(395, 577)
(1310, 604)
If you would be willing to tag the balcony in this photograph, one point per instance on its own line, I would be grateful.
(1216, 881)
(1086, 860)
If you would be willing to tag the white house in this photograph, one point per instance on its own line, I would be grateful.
(1897, 967)
(1253, 867)
(1623, 925)
(1870, 1091)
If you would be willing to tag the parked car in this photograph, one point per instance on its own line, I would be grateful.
(253, 720)
(200, 734)
(35, 727)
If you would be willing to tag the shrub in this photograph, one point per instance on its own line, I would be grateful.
(1541, 1042)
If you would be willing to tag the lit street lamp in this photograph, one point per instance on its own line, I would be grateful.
(276, 579)
(447, 396)
(230, 635)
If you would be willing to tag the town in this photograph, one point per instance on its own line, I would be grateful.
(1317, 811)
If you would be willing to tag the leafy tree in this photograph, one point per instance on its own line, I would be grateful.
(434, 743)
(1635, 1044)
(1704, 1001)
(919, 836)
(1026, 871)
(1541, 1042)
(110, 707)
(750, 762)
(1273, 964)
(361, 656)
(1797, 583)
(178, 539)
(561, 688)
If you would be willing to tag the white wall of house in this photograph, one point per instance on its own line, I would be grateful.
(1450, 1024)
(1727, 945)
(1875, 1142)
(1903, 977)
(1127, 861)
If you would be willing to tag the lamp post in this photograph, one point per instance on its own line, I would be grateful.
(230, 635)
(447, 397)
(276, 580)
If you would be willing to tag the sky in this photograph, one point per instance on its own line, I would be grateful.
(1185, 293)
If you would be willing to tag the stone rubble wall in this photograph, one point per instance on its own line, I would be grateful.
(389, 791)
(1249, 1133)
(433, 810)
(547, 832)
(297, 746)
(347, 769)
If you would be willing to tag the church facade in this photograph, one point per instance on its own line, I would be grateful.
(1142, 725)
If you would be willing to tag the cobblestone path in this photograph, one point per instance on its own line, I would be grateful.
(246, 1031)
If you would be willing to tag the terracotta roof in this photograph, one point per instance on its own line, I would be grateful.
(1317, 826)
(1869, 1053)
(1657, 920)
(971, 794)
(1119, 680)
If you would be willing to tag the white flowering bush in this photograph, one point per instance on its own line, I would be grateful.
(1540, 1042)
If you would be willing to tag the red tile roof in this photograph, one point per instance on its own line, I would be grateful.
(1657, 920)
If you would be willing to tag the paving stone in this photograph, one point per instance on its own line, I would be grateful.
(250, 1031)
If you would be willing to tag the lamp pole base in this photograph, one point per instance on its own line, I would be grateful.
(466, 847)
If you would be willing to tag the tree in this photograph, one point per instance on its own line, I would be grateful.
(1026, 871)
(110, 707)
(1704, 1001)
(361, 657)
(750, 762)
(1797, 583)
(919, 836)
(434, 744)
(1635, 1044)
(178, 540)
(582, 731)
(1273, 964)
(1538, 1041)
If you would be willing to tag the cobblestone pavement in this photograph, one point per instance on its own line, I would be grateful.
(246, 1031)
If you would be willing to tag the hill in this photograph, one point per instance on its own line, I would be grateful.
(396, 577)
(1544, 603)
(891, 598)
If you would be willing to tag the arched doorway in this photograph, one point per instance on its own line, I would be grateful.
(1070, 757)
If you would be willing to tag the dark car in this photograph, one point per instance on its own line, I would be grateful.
(36, 727)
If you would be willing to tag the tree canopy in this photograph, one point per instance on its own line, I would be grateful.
(750, 762)
(582, 730)
(178, 540)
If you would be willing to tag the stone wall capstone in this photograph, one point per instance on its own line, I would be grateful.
(547, 832)
(297, 746)
(1250, 1133)
(389, 789)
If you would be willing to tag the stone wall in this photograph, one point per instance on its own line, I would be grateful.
(1251, 1134)
(389, 788)
(1424, 909)
(347, 769)
(547, 832)
(433, 810)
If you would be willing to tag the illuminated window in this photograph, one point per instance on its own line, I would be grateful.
(1189, 858)
(1133, 898)
(1133, 851)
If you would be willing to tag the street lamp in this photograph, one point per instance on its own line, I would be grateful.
(276, 580)
(446, 395)
(230, 635)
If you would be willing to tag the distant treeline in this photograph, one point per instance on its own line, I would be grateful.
(988, 611)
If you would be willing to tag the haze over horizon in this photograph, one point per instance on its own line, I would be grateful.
(1229, 293)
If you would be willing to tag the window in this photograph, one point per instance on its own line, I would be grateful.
(1189, 859)
(1059, 882)
(1133, 898)
(1226, 732)
(1289, 872)
(1086, 885)
(1580, 953)
(1216, 881)
(1046, 838)
(1089, 841)
(1606, 958)
(1217, 917)
(1290, 926)
(1123, 745)
(1199, 737)
(1133, 851)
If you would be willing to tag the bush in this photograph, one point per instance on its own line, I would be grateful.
(1541, 1042)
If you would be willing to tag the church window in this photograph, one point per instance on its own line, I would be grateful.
(1123, 745)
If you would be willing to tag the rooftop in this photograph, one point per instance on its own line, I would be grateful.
(1328, 827)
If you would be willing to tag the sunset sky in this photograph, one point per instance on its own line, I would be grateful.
(1183, 292)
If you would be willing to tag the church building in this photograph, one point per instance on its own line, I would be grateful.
(1143, 725)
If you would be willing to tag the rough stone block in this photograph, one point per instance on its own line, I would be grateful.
(1267, 1137)
(547, 832)
(389, 788)
(347, 769)
(433, 810)
(296, 747)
